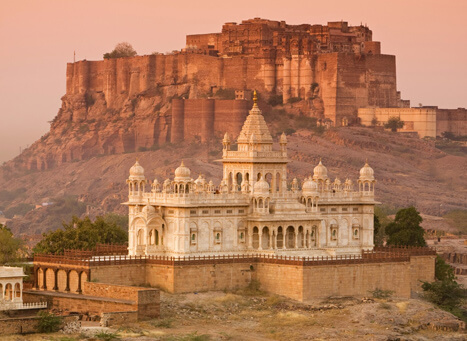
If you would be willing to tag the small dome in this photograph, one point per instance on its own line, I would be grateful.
(226, 138)
(367, 173)
(309, 186)
(337, 182)
(320, 172)
(148, 209)
(182, 172)
(200, 180)
(137, 172)
(261, 187)
(283, 139)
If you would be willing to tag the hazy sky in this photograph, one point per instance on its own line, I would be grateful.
(37, 39)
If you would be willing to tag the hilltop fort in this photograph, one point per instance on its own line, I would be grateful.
(336, 72)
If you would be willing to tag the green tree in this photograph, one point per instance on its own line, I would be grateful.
(394, 123)
(445, 291)
(377, 240)
(81, 234)
(11, 248)
(121, 50)
(405, 230)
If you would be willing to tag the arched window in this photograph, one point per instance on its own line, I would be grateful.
(17, 290)
(156, 236)
(239, 179)
(280, 238)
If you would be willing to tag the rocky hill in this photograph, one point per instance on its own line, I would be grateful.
(409, 171)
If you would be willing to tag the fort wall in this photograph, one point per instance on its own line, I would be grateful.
(451, 120)
(420, 120)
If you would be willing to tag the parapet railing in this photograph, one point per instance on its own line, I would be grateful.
(379, 255)
(410, 250)
(5, 305)
(99, 250)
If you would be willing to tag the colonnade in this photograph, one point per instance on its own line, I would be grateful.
(79, 275)
(282, 237)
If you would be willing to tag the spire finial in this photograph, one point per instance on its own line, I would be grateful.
(255, 98)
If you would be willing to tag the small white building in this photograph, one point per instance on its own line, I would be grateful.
(11, 290)
(254, 209)
(11, 286)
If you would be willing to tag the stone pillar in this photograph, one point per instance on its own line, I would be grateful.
(36, 278)
(44, 279)
(260, 238)
(79, 291)
(55, 280)
(67, 289)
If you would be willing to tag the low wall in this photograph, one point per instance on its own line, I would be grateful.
(79, 303)
(111, 291)
(126, 274)
(118, 318)
(26, 325)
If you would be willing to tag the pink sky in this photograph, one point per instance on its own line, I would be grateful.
(429, 39)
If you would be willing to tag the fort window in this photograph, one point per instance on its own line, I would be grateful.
(241, 211)
(217, 211)
(193, 238)
(333, 209)
(229, 211)
(193, 212)
(355, 209)
(218, 238)
(171, 211)
(322, 210)
(205, 211)
(344, 209)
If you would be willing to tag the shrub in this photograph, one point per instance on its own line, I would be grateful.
(275, 100)
(394, 123)
(48, 322)
(379, 293)
(107, 336)
(225, 94)
(292, 100)
(121, 50)
(89, 99)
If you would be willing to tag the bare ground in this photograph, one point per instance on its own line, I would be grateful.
(235, 316)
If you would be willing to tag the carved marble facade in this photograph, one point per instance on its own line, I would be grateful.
(254, 209)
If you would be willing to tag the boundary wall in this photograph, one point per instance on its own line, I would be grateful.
(26, 325)
(399, 270)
